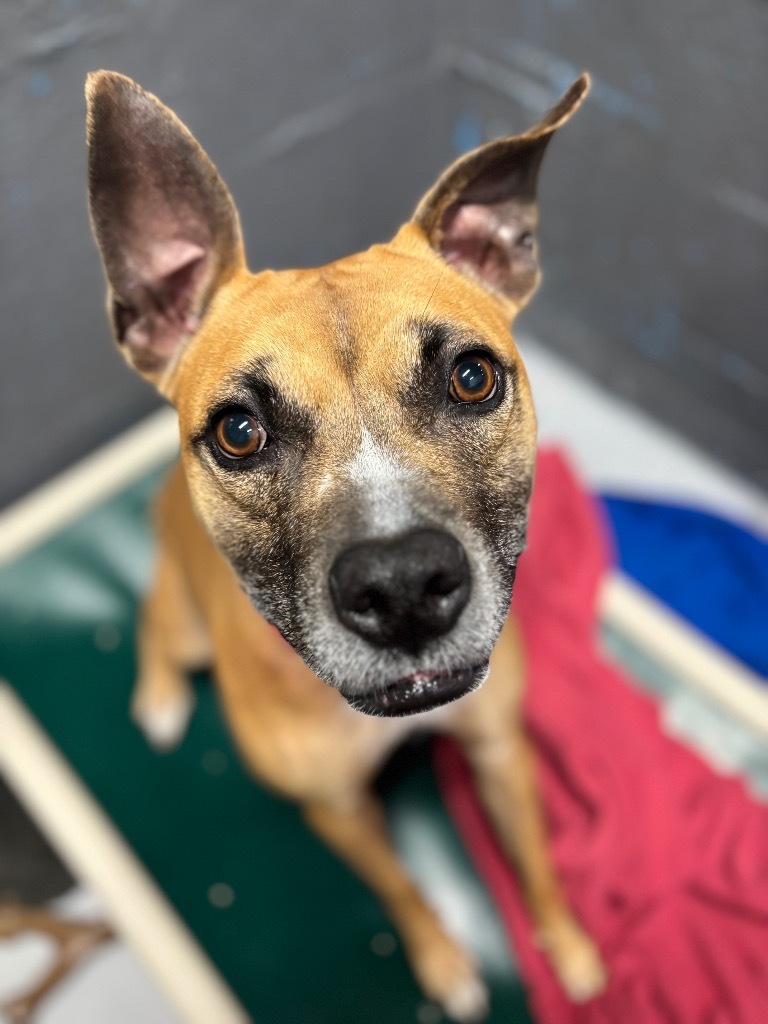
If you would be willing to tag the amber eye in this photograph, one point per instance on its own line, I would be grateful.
(473, 379)
(239, 434)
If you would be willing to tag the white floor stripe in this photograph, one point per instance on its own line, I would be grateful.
(97, 477)
(690, 655)
(98, 856)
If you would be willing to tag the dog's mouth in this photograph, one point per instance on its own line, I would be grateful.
(420, 691)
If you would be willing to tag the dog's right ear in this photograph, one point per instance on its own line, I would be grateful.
(481, 215)
(165, 223)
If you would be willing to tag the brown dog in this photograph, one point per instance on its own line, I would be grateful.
(357, 449)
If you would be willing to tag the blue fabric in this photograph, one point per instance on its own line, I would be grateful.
(708, 569)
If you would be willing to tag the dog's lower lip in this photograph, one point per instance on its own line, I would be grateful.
(420, 691)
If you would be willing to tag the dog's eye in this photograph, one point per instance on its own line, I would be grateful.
(473, 379)
(239, 434)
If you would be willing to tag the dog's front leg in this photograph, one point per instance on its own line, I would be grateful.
(505, 779)
(446, 973)
(171, 641)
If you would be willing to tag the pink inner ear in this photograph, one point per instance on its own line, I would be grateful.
(156, 261)
(488, 241)
(169, 277)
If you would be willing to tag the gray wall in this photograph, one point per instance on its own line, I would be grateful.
(329, 119)
(655, 205)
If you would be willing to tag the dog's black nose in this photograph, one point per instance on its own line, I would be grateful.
(401, 592)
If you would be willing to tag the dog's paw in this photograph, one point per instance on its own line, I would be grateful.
(467, 1002)
(576, 961)
(163, 724)
(449, 977)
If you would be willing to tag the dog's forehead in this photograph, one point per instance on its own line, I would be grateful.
(350, 325)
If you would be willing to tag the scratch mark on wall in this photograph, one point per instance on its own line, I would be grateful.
(655, 332)
(40, 85)
(558, 74)
(467, 132)
(753, 207)
(296, 129)
(40, 45)
(718, 357)
(474, 67)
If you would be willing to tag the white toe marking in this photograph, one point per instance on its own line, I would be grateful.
(468, 1002)
(165, 726)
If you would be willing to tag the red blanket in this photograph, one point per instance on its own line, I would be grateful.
(665, 861)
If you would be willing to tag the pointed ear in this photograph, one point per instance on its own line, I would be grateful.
(165, 223)
(481, 215)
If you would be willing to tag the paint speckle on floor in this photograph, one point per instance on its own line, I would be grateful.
(215, 762)
(221, 895)
(429, 1013)
(383, 944)
(107, 637)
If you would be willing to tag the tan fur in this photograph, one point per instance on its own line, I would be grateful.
(291, 317)
(300, 738)
(337, 341)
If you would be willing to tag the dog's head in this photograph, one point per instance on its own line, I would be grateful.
(359, 438)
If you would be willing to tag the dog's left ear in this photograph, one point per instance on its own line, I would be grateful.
(481, 215)
(164, 220)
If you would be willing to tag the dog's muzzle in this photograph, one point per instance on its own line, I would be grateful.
(400, 594)
(421, 691)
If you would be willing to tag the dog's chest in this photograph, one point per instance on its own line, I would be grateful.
(379, 737)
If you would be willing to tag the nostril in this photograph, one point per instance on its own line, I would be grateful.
(370, 600)
(361, 603)
(440, 584)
